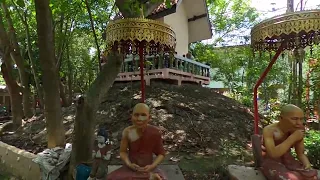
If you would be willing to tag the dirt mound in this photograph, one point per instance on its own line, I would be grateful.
(192, 118)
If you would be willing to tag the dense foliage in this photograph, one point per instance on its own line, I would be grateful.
(312, 143)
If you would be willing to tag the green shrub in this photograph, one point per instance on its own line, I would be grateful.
(312, 145)
(247, 101)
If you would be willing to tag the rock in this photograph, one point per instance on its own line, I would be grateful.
(247, 173)
(6, 127)
(41, 136)
(244, 173)
(115, 135)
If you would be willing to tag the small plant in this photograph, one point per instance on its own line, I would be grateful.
(312, 145)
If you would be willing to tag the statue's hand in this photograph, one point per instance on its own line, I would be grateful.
(148, 168)
(308, 167)
(134, 167)
(297, 135)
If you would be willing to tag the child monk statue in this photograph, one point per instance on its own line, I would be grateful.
(101, 155)
(278, 162)
(138, 144)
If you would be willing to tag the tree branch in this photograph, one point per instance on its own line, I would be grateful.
(4, 39)
(85, 121)
(94, 32)
(16, 53)
(105, 78)
(29, 48)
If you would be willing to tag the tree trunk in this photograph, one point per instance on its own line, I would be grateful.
(62, 34)
(61, 41)
(70, 75)
(26, 95)
(16, 56)
(94, 33)
(63, 96)
(315, 108)
(15, 95)
(52, 106)
(13, 87)
(86, 111)
(33, 64)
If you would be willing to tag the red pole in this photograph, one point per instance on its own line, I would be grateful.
(141, 58)
(255, 90)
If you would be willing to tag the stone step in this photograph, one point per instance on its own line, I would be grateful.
(172, 171)
(244, 173)
(247, 173)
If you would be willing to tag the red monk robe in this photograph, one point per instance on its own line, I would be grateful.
(278, 139)
(286, 167)
(141, 153)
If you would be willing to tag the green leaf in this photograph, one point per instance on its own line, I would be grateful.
(20, 3)
(168, 3)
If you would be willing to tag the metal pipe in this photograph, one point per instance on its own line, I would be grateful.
(255, 90)
(141, 58)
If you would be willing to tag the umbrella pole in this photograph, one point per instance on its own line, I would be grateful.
(255, 90)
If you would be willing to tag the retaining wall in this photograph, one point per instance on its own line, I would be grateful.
(18, 162)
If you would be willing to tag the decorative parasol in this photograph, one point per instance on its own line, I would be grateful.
(140, 36)
(285, 32)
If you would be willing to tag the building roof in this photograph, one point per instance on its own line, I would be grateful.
(198, 20)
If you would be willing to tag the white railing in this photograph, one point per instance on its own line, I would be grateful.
(131, 64)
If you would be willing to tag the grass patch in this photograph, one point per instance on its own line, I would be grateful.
(3, 177)
(197, 166)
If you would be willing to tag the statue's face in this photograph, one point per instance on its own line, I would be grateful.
(140, 116)
(294, 119)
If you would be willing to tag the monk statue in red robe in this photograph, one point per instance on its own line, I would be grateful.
(138, 145)
(278, 139)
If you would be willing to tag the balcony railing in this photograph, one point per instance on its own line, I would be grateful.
(177, 68)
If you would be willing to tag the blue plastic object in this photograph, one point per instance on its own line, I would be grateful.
(83, 172)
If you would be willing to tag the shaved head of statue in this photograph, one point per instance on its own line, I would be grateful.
(292, 116)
